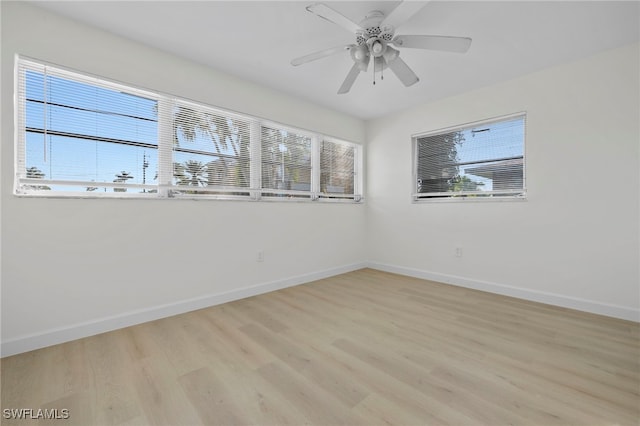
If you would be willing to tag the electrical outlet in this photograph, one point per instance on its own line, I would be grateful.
(260, 256)
(458, 252)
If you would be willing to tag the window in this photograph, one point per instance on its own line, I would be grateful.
(483, 160)
(83, 136)
(211, 151)
(337, 169)
(286, 163)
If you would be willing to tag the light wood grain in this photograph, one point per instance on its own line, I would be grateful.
(363, 348)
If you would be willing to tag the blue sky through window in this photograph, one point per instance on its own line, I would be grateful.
(488, 143)
(94, 133)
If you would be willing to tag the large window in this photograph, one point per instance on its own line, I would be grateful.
(84, 136)
(483, 160)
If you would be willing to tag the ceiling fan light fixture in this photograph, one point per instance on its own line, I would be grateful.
(360, 55)
(390, 54)
(376, 47)
(358, 51)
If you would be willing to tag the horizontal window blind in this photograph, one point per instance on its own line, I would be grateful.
(480, 160)
(80, 135)
(211, 151)
(286, 163)
(337, 170)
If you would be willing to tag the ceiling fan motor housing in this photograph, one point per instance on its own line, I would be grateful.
(373, 35)
(371, 27)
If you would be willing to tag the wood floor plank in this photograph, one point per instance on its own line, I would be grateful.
(159, 394)
(231, 343)
(396, 392)
(306, 364)
(442, 392)
(211, 398)
(111, 391)
(362, 348)
(319, 407)
(259, 402)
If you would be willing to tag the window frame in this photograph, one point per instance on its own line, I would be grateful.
(164, 187)
(357, 169)
(221, 191)
(290, 194)
(468, 196)
(20, 141)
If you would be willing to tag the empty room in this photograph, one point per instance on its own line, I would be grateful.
(336, 213)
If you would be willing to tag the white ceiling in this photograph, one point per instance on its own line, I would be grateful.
(256, 40)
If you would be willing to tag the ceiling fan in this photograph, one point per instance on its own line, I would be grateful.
(374, 35)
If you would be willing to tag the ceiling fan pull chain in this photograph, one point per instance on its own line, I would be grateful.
(374, 71)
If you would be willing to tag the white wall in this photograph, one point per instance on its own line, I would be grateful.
(72, 267)
(574, 242)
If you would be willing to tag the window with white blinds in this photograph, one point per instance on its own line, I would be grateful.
(483, 160)
(337, 169)
(80, 135)
(211, 151)
(286, 163)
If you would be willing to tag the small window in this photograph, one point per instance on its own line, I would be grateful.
(483, 160)
(211, 151)
(286, 163)
(337, 170)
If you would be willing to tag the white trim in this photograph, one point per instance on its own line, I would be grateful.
(462, 194)
(456, 199)
(123, 185)
(316, 166)
(554, 299)
(472, 124)
(90, 328)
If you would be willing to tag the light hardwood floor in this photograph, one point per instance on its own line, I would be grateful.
(365, 347)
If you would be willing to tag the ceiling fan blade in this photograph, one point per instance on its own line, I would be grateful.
(444, 43)
(403, 12)
(403, 72)
(351, 78)
(331, 15)
(320, 54)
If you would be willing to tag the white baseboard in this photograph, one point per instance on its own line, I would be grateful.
(102, 325)
(609, 310)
